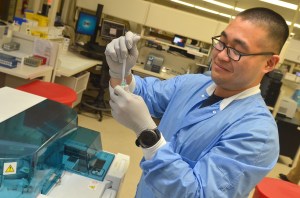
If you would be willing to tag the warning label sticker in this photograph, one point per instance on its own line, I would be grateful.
(10, 168)
(93, 185)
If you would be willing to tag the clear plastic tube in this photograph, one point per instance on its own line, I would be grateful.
(123, 82)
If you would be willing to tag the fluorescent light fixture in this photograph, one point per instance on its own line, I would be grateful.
(239, 9)
(202, 8)
(275, 2)
(224, 5)
(225, 15)
(281, 4)
(183, 3)
(219, 3)
(297, 25)
(288, 22)
(206, 10)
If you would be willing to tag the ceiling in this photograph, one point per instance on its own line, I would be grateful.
(289, 14)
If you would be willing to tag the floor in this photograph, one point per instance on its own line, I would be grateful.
(116, 138)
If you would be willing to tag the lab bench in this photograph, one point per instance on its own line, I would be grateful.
(289, 136)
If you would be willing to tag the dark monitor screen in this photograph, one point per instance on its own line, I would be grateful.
(179, 40)
(86, 24)
(111, 29)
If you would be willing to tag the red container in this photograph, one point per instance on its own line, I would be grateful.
(51, 91)
(276, 188)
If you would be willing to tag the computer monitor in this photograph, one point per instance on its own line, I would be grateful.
(179, 40)
(111, 29)
(87, 24)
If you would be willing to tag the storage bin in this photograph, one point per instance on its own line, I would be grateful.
(78, 82)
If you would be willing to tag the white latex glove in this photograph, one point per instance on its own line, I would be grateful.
(119, 49)
(130, 110)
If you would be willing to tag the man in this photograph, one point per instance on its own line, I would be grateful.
(216, 137)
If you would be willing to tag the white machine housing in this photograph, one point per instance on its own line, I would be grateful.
(287, 107)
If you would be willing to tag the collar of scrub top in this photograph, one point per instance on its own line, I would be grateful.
(226, 101)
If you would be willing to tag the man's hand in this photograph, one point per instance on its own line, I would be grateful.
(119, 49)
(130, 110)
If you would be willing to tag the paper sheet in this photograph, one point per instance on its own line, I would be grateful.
(13, 101)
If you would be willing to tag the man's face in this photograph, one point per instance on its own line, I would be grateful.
(245, 37)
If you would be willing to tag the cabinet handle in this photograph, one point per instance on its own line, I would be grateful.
(298, 128)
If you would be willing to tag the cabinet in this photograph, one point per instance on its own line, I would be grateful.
(160, 17)
(183, 23)
(131, 10)
(292, 52)
(289, 136)
(77, 82)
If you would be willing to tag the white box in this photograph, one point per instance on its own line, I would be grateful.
(78, 82)
(78, 100)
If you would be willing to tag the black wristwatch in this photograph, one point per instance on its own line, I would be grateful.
(148, 138)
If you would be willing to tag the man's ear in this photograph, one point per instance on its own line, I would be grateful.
(271, 63)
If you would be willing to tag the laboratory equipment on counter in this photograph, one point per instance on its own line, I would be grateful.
(154, 63)
(44, 153)
(287, 107)
(270, 87)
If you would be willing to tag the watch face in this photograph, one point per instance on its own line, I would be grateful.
(148, 138)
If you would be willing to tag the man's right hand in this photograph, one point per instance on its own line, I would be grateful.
(120, 49)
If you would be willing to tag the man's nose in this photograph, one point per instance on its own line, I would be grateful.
(223, 55)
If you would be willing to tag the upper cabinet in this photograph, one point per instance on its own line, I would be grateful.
(183, 23)
(131, 10)
(160, 17)
(293, 52)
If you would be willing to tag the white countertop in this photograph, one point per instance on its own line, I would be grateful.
(72, 63)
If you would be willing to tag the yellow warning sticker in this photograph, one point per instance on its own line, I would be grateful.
(10, 168)
(93, 185)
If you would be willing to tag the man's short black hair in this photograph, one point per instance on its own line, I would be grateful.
(278, 30)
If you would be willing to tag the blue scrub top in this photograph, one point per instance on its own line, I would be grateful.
(222, 150)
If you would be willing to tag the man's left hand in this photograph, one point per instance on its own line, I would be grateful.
(130, 110)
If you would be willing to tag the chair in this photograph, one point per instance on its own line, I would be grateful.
(51, 91)
(276, 188)
(100, 82)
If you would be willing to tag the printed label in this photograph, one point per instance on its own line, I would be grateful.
(10, 168)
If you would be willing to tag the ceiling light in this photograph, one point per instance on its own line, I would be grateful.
(225, 15)
(281, 4)
(297, 25)
(288, 22)
(219, 4)
(224, 5)
(206, 10)
(183, 3)
(239, 9)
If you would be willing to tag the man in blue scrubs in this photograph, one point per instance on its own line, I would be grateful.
(216, 137)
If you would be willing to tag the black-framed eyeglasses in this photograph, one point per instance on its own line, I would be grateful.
(233, 53)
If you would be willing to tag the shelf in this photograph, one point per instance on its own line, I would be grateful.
(189, 51)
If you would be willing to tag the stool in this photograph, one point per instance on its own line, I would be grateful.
(276, 188)
(51, 91)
